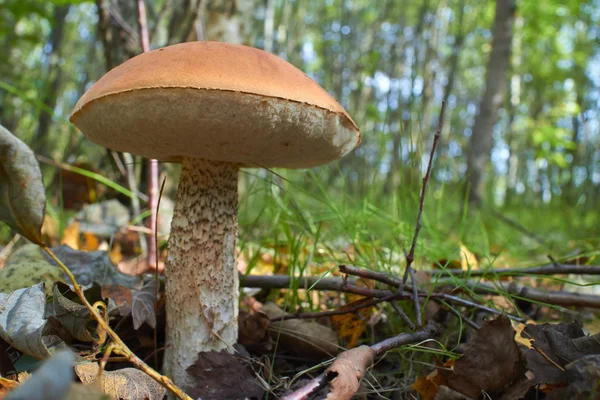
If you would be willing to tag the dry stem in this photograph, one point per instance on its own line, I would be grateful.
(119, 346)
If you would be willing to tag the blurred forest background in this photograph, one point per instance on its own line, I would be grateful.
(519, 153)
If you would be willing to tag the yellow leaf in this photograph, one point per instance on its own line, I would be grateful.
(71, 236)
(468, 260)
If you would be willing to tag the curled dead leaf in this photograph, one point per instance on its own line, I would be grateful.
(22, 192)
(349, 369)
(301, 337)
(126, 383)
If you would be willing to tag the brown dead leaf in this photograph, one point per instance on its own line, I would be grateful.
(351, 326)
(80, 391)
(253, 331)
(428, 385)
(224, 376)
(301, 337)
(347, 371)
(491, 363)
(8, 383)
(126, 383)
(554, 346)
(445, 393)
(583, 377)
(141, 306)
(77, 189)
(119, 294)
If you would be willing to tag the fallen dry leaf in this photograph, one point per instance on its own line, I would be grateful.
(301, 337)
(350, 326)
(349, 369)
(22, 192)
(468, 260)
(8, 383)
(428, 385)
(491, 363)
(583, 377)
(23, 324)
(125, 384)
(554, 346)
(119, 294)
(141, 307)
(445, 393)
(224, 376)
(92, 266)
(253, 332)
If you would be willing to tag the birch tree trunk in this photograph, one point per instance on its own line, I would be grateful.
(481, 142)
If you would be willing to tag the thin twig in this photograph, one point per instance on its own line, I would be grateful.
(120, 347)
(369, 274)
(547, 269)
(285, 281)
(143, 24)
(5, 252)
(156, 279)
(405, 338)
(152, 164)
(411, 254)
(413, 281)
(351, 308)
(557, 298)
(403, 314)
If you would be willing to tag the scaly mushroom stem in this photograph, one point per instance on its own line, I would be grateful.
(201, 275)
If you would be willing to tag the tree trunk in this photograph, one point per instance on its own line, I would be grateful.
(481, 142)
(55, 41)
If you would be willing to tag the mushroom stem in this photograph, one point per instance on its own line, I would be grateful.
(201, 275)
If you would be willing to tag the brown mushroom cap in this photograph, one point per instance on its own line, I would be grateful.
(216, 101)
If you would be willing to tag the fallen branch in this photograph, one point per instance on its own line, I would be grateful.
(557, 298)
(360, 304)
(560, 298)
(346, 372)
(548, 269)
(285, 281)
(410, 256)
(340, 285)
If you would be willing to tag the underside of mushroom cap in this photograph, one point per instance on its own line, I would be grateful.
(219, 102)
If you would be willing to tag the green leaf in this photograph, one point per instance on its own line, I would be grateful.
(22, 194)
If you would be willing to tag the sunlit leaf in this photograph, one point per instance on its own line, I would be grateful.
(22, 194)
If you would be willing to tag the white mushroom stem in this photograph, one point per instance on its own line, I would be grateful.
(201, 275)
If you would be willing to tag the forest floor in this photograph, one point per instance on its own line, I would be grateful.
(339, 298)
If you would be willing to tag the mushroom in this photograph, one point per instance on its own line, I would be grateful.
(213, 107)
